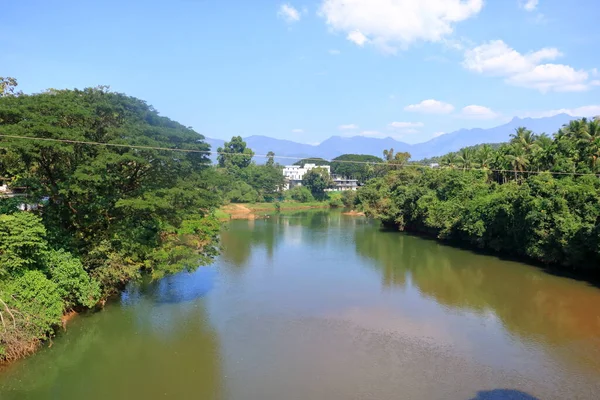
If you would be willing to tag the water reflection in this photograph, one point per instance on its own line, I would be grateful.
(530, 303)
(123, 353)
(241, 237)
(180, 288)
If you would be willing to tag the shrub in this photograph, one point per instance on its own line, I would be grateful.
(349, 198)
(74, 284)
(300, 194)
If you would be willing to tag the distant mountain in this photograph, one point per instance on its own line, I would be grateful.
(337, 145)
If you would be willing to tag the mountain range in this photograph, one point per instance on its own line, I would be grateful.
(453, 141)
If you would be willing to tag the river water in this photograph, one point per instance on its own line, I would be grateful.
(318, 305)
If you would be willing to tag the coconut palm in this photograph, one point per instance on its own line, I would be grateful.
(450, 160)
(466, 158)
(518, 159)
(524, 138)
(484, 156)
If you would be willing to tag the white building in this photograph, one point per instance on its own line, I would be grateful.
(342, 184)
(294, 173)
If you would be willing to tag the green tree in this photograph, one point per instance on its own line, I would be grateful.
(317, 180)
(355, 166)
(270, 159)
(234, 154)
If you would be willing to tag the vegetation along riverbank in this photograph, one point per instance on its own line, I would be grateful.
(537, 197)
(99, 216)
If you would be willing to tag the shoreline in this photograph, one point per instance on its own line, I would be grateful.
(261, 210)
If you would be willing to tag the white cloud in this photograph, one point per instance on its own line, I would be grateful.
(496, 58)
(357, 37)
(298, 130)
(529, 5)
(288, 13)
(347, 127)
(392, 24)
(430, 107)
(478, 112)
(334, 52)
(438, 134)
(584, 111)
(405, 125)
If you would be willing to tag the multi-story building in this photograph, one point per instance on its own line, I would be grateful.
(295, 173)
(342, 184)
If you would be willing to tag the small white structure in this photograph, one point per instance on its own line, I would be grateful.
(294, 173)
(434, 165)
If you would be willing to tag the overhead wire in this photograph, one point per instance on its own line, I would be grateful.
(210, 152)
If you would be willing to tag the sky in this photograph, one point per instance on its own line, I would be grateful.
(307, 70)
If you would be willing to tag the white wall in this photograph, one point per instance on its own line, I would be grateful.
(296, 173)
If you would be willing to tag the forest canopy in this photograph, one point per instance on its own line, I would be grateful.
(104, 214)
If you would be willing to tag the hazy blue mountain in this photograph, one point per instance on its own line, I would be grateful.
(468, 137)
(338, 145)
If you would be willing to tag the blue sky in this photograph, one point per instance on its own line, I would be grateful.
(307, 70)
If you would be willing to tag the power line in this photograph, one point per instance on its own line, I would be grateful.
(142, 147)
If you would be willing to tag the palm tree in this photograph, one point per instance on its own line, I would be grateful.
(465, 157)
(450, 160)
(577, 129)
(518, 159)
(543, 152)
(524, 138)
(594, 150)
(484, 156)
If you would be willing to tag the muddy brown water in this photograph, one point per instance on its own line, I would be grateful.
(319, 305)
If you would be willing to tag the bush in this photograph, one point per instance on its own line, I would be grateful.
(22, 243)
(300, 194)
(336, 202)
(244, 193)
(38, 302)
(349, 198)
(74, 284)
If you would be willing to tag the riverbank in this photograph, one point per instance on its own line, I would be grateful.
(260, 210)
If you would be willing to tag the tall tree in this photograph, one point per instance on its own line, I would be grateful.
(270, 159)
(317, 180)
(234, 154)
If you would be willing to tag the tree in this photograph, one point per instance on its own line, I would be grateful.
(270, 159)
(8, 86)
(484, 156)
(465, 158)
(312, 160)
(397, 159)
(234, 154)
(355, 166)
(317, 180)
(518, 159)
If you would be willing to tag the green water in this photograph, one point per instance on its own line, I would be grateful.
(324, 306)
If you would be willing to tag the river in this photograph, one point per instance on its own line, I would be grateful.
(318, 305)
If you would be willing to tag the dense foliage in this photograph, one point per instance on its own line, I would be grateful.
(317, 180)
(510, 199)
(241, 180)
(356, 166)
(109, 212)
